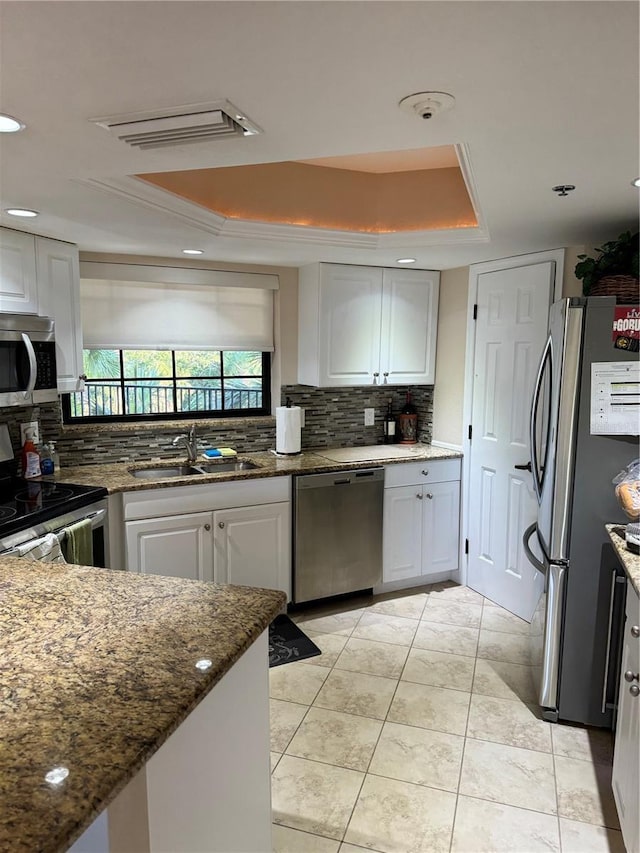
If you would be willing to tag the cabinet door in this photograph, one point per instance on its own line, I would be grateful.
(349, 335)
(409, 326)
(440, 527)
(253, 546)
(18, 289)
(59, 298)
(626, 766)
(176, 545)
(402, 533)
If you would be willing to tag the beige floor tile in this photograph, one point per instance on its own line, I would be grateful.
(352, 848)
(584, 792)
(296, 682)
(452, 612)
(357, 693)
(455, 592)
(313, 797)
(509, 775)
(275, 757)
(285, 717)
(329, 644)
(418, 755)
(430, 707)
(498, 619)
(497, 645)
(588, 744)
(336, 738)
(328, 623)
(452, 639)
(386, 629)
(508, 721)
(483, 827)
(578, 837)
(409, 606)
(287, 840)
(375, 658)
(398, 817)
(504, 680)
(439, 669)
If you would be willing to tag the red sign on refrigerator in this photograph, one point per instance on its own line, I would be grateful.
(626, 327)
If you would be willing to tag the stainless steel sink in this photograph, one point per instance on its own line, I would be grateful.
(163, 473)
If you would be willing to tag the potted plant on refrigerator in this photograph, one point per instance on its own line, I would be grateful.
(614, 272)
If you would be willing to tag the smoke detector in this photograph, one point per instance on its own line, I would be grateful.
(179, 125)
(426, 105)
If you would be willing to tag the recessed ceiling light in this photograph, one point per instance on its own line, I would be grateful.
(9, 124)
(406, 261)
(193, 252)
(636, 183)
(18, 211)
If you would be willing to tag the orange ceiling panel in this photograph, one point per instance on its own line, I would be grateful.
(295, 193)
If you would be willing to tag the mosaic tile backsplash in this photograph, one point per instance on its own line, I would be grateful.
(333, 417)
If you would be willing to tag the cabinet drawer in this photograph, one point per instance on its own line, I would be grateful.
(419, 473)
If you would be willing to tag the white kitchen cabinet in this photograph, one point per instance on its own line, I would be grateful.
(252, 546)
(366, 325)
(421, 526)
(175, 546)
(18, 282)
(626, 758)
(58, 274)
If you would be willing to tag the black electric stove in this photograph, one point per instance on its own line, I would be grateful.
(27, 503)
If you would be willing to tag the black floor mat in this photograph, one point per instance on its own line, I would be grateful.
(287, 643)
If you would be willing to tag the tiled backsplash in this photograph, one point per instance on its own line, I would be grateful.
(333, 417)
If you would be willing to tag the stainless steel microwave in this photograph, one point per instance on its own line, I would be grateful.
(27, 360)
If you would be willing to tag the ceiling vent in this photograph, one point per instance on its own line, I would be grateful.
(179, 125)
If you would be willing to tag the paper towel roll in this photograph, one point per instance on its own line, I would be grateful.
(288, 423)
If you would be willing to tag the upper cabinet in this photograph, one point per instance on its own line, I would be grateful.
(366, 325)
(42, 276)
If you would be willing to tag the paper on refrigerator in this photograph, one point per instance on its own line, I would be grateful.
(615, 398)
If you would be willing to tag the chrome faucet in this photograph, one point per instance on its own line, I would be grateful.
(190, 442)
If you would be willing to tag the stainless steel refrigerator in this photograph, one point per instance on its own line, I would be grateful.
(575, 630)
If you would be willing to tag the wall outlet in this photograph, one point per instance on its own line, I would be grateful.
(33, 428)
(369, 417)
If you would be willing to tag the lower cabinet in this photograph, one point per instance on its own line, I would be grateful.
(239, 544)
(626, 758)
(421, 528)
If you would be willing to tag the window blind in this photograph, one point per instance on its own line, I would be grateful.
(179, 315)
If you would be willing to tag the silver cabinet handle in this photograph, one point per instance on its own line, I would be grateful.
(207, 527)
(425, 472)
(634, 690)
(385, 377)
(375, 378)
(221, 525)
(631, 676)
(430, 496)
(419, 497)
(83, 376)
(635, 631)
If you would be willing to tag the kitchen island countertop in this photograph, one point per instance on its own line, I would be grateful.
(629, 560)
(99, 668)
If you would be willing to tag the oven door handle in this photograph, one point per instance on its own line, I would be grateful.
(33, 365)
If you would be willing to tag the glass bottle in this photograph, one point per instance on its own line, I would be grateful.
(408, 422)
(389, 425)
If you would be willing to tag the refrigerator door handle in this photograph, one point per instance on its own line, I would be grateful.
(556, 577)
(527, 550)
(537, 481)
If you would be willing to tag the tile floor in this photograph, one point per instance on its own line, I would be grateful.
(416, 731)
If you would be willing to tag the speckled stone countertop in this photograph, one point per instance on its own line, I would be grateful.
(97, 670)
(116, 476)
(629, 560)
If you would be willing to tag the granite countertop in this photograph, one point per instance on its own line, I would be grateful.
(97, 670)
(116, 476)
(629, 560)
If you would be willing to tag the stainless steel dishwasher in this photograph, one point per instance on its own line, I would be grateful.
(337, 533)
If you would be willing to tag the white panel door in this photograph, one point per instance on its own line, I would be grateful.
(440, 527)
(176, 546)
(409, 326)
(18, 287)
(59, 297)
(253, 546)
(402, 533)
(350, 308)
(512, 318)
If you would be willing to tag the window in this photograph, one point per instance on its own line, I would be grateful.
(169, 384)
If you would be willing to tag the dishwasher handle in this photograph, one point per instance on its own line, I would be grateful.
(339, 478)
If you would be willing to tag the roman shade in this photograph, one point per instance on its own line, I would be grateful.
(130, 306)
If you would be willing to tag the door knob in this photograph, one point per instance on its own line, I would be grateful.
(425, 472)
(207, 527)
(375, 378)
(631, 676)
(635, 631)
(634, 690)
(221, 525)
(385, 377)
(526, 467)
(430, 496)
(419, 497)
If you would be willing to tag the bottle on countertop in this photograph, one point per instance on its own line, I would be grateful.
(408, 422)
(55, 457)
(389, 425)
(30, 458)
(46, 461)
